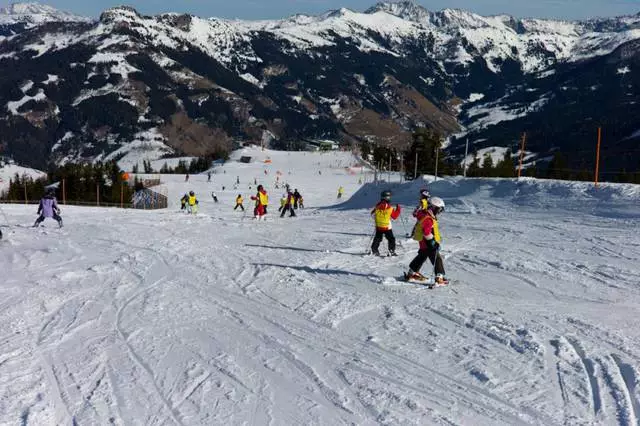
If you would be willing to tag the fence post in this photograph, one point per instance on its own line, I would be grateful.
(121, 195)
(524, 139)
(415, 167)
(25, 192)
(64, 192)
(598, 157)
(437, 154)
(98, 194)
(466, 152)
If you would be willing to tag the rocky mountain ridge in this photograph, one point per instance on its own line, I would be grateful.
(129, 84)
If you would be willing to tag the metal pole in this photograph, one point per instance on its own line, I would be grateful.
(524, 139)
(415, 168)
(598, 156)
(437, 154)
(466, 152)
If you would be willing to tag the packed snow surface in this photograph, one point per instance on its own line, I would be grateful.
(158, 317)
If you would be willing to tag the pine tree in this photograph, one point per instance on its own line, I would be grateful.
(487, 165)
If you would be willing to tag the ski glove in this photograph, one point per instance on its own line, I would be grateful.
(432, 244)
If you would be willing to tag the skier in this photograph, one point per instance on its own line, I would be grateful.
(214, 196)
(237, 180)
(288, 206)
(301, 202)
(296, 198)
(186, 177)
(239, 201)
(48, 208)
(208, 176)
(340, 192)
(262, 201)
(383, 213)
(423, 202)
(183, 201)
(283, 202)
(193, 203)
(428, 233)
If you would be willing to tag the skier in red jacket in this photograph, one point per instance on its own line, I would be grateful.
(428, 233)
(262, 201)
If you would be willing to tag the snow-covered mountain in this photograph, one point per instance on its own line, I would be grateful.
(93, 88)
(36, 13)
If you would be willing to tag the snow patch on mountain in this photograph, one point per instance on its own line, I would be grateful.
(36, 13)
(14, 106)
(147, 145)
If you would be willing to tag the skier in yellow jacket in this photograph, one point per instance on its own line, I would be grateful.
(384, 213)
(239, 202)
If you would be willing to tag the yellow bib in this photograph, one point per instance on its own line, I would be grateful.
(192, 200)
(383, 217)
(264, 199)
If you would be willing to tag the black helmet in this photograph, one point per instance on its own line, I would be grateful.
(260, 187)
(192, 193)
(385, 195)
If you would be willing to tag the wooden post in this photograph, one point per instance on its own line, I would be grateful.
(466, 153)
(415, 168)
(598, 157)
(524, 139)
(98, 194)
(121, 195)
(25, 192)
(389, 169)
(64, 193)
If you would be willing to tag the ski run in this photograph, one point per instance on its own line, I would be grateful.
(131, 317)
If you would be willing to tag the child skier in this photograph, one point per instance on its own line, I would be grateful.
(239, 202)
(289, 205)
(183, 201)
(428, 233)
(423, 203)
(193, 203)
(283, 202)
(340, 192)
(214, 196)
(296, 198)
(48, 208)
(301, 202)
(262, 201)
(383, 213)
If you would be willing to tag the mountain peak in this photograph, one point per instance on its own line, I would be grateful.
(405, 9)
(37, 13)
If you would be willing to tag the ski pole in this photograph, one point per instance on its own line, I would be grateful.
(368, 251)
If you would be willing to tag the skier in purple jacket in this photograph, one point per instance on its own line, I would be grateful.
(48, 208)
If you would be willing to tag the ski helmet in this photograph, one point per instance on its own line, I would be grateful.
(385, 195)
(424, 193)
(192, 193)
(436, 205)
(260, 188)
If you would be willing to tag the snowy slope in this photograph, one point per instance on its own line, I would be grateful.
(8, 172)
(155, 317)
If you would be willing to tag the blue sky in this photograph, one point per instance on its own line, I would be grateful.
(263, 9)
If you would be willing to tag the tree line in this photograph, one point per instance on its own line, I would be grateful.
(83, 183)
(427, 143)
(196, 165)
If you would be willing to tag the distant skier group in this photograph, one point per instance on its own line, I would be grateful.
(426, 231)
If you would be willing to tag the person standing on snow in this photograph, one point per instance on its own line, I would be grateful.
(183, 201)
(208, 176)
(427, 233)
(283, 202)
(214, 196)
(288, 206)
(193, 203)
(296, 198)
(48, 208)
(301, 202)
(340, 192)
(262, 201)
(383, 213)
(239, 202)
(423, 203)
(186, 177)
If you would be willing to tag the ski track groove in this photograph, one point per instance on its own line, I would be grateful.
(628, 379)
(589, 370)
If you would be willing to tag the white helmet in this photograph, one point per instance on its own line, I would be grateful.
(436, 204)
